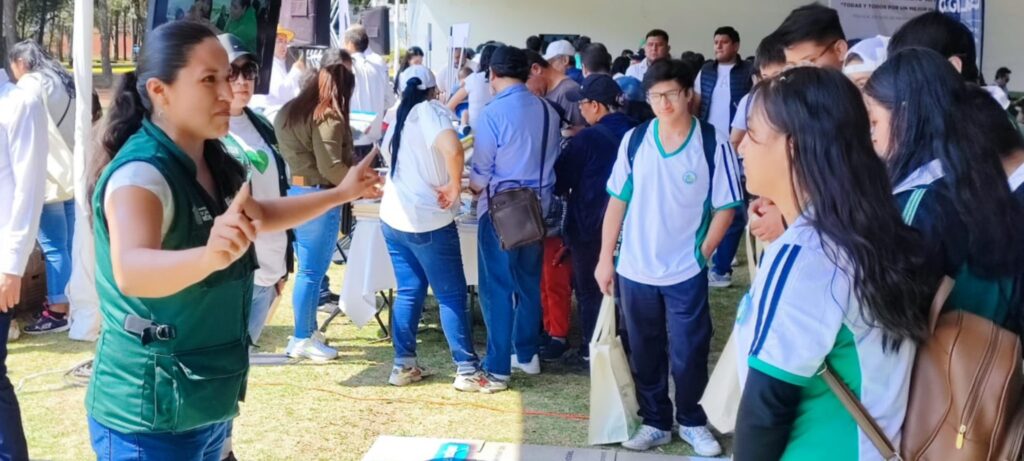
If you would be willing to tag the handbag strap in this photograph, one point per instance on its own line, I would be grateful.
(543, 153)
(860, 414)
(543, 148)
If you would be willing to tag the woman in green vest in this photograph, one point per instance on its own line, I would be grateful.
(174, 227)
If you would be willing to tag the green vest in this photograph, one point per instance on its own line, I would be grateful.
(198, 377)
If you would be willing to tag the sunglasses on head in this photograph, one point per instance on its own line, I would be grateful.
(247, 71)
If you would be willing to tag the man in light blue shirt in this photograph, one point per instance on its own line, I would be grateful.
(507, 154)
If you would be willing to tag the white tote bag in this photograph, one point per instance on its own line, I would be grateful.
(721, 400)
(613, 406)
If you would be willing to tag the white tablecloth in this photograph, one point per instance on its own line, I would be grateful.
(370, 271)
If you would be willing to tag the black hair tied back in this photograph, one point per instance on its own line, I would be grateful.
(412, 96)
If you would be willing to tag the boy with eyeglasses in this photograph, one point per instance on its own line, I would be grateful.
(680, 181)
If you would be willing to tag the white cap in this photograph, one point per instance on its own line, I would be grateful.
(421, 72)
(559, 48)
(872, 53)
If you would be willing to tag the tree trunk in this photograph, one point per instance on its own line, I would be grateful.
(9, 20)
(117, 38)
(43, 13)
(104, 19)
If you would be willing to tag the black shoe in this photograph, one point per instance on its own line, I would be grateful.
(230, 457)
(48, 323)
(553, 350)
(326, 297)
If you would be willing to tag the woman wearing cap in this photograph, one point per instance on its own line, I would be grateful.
(316, 142)
(251, 141)
(421, 195)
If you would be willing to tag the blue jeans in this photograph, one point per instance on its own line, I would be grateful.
(314, 242)
(433, 258)
(56, 231)
(668, 324)
(721, 262)
(12, 435)
(203, 444)
(262, 298)
(510, 299)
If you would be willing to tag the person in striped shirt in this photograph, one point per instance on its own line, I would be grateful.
(845, 286)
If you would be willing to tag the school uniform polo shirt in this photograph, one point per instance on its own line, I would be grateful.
(671, 198)
(926, 202)
(1016, 183)
(802, 312)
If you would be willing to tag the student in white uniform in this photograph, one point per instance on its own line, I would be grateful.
(845, 286)
(679, 181)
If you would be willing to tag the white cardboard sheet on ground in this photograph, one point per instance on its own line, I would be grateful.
(392, 448)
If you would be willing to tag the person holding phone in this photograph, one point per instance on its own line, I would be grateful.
(174, 222)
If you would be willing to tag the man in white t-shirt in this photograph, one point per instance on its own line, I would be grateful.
(656, 48)
(680, 182)
(23, 147)
(373, 93)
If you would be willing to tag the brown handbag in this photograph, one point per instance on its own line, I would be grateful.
(964, 393)
(517, 214)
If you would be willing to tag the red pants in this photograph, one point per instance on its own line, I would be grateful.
(556, 289)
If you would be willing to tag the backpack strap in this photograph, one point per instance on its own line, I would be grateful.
(635, 140)
(864, 420)
(709, 139)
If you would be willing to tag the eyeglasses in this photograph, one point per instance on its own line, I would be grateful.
(248, 71)
(657, 98)
(828, 48)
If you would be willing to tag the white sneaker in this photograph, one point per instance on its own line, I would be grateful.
(647, 437)
(403, 376)
(531, 368)
(310, 348)
(480, 382)
(701, 439)
(719, 280)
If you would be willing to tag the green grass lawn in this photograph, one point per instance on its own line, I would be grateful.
(335, 411)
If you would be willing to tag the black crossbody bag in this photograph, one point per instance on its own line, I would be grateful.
(516, 213)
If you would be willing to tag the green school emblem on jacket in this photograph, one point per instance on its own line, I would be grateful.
(690, 177)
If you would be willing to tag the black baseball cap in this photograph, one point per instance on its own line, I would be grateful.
(597, 87)
(235, 47)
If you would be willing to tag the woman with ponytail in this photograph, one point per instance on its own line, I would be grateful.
(174, 223)
(421, 196)
(949, 184)
(47, 80)
(845, 286)
(316, 142)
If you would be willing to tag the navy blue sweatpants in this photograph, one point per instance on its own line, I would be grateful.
(669, 328)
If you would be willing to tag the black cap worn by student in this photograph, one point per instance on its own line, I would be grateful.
(597, 87)
(235, 47)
